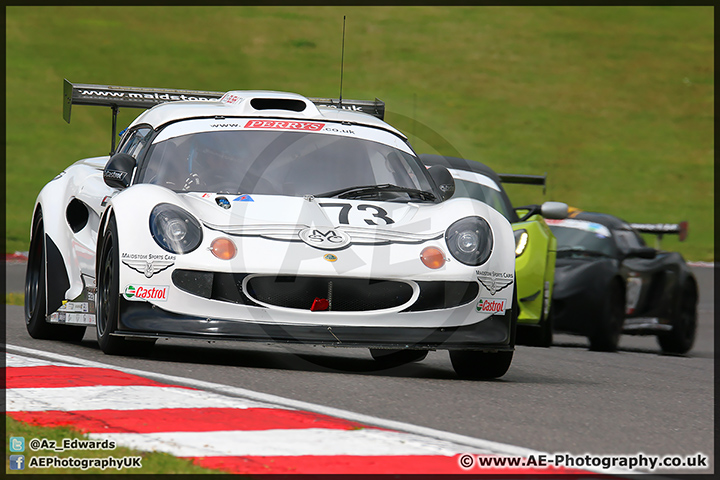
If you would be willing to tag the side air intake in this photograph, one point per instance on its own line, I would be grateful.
(77, 215)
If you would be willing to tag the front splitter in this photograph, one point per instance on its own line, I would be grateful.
(142, 320)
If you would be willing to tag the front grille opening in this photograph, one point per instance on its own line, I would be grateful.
(278, 104)
(343, 294)
(440, 295)
(197, 283)
(226, 287)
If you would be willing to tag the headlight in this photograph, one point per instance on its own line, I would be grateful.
(470, 240)
(521, 241)
(174, 229)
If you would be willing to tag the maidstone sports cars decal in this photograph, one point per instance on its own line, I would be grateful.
(148, 267)
(494, 281)
(149, 264)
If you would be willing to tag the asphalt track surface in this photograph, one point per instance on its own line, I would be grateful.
(559, 399)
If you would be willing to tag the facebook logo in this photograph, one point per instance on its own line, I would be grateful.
(17, 462)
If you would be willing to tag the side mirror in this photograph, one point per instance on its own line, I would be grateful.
(642, 252)
(118, 171)
(444, 180)
(529, 211)
(554, 210)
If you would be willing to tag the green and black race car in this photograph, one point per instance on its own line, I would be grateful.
(535, 244)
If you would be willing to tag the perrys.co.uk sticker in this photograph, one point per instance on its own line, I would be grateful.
(285, 125)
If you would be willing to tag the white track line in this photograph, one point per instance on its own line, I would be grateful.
(295, 442)
(18, 361)
(129, 397)
(702, 264)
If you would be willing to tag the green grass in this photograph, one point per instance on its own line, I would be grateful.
(152, 463)
(14, 299)
(614, 103)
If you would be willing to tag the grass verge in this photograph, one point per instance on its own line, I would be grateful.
(14, 299)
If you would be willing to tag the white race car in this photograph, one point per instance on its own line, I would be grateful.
(272, 217)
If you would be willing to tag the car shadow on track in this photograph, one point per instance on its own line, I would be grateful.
(581, 343)
(337, 360)
(353, 361)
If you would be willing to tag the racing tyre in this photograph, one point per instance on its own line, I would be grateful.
(480, 365)
(35, 293)
(680, 339)
(540, 336)
(608, 330)
(395, 358)
(474, 365)
(545, 338)
(107, 300)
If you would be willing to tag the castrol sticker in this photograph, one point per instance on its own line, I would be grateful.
(490, 305)
(146, 292)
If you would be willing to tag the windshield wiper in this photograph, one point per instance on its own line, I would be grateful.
(580, 250)
(360, 191)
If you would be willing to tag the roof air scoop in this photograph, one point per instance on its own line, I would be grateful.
(290, 104)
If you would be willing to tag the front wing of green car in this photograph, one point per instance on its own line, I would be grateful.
(535, 268)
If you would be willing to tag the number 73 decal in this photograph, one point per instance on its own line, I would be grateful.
(377, 213)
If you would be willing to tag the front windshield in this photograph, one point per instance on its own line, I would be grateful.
(576, 236)
(485, 194)
(628, 240)
(280, 162)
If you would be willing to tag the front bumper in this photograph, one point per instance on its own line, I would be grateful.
(143, 320)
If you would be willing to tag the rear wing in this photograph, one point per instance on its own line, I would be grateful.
(376, 107)
(660, 229)
(133, 97)
(524, 179)
(136, 97)
(116, 97)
